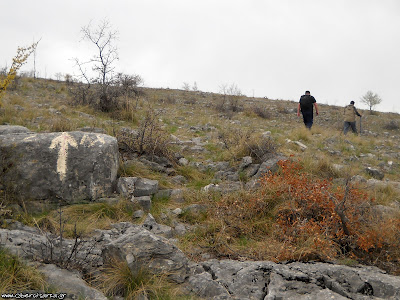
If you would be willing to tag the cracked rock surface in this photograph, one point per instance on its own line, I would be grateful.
(228, 279)
(211, 279)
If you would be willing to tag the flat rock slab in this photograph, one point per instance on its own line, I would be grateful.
(228, 279)
(72, 166)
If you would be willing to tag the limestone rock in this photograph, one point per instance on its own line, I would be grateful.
(269, 165)
(145, 187)
(12, 129)
(70, 283)
(126, 186)
(375, 173)
(73, 166)
(141, 248)
(143, 201)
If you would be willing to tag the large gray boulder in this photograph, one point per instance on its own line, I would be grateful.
(72, 166)
(140, 248)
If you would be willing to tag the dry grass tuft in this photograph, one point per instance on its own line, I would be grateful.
(15, 276)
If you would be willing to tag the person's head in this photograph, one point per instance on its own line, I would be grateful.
(352, 102)
(307, 93)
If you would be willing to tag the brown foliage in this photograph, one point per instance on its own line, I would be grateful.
(305, 218)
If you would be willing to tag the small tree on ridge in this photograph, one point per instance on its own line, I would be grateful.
(371, 100)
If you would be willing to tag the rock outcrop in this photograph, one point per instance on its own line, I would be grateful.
(229, 279)
(139, 248)
(71, 166)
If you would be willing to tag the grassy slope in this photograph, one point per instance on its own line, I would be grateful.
(44, 106)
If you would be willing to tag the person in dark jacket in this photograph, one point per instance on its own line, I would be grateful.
(306, 106)
(350, 113)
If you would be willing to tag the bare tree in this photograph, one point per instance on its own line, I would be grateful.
(103, 37)
(58, 75)
(231, 95)
(186, 86)
(371, 100)
(195, 88)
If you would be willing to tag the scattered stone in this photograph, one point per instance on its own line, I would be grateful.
(177, 211)
(358, 179)
(179, 179)
(252, 170)
(126, 186)
(253, 184)
(246, 162)
(195, 209)
(301, 145)
(180, 229)
(210, 188)
(382, 211)
(138, 214)
(375, 173)
(143, 201)
(12, 129)
(162, 194)
(18, 107)
(159, 229)
(269, 165)
(177, 196)
(145, 187)
(183, 161)
(197, 149)
(266, 134)
(226, 175)
(85, 115)
(337, 167)
(54, 111)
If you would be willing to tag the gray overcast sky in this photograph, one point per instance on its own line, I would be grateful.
(337, 49)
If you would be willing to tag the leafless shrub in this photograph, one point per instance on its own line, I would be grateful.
(259, 148)
(261, 111)
(242, 143)
(69, 80)
(148, 139)
(229, 102)
(186, 86)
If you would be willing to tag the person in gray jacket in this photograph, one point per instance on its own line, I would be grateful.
(350, 113)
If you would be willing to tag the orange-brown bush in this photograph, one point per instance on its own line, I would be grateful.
(305, 218)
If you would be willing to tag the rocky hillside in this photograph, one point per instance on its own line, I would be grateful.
(192, 195)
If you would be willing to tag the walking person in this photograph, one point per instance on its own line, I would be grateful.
(350, 113)
(306, 106)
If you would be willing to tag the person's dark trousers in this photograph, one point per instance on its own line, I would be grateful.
(348, 125)
(308, 118)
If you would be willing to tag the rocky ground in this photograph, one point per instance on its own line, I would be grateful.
(69, 155)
